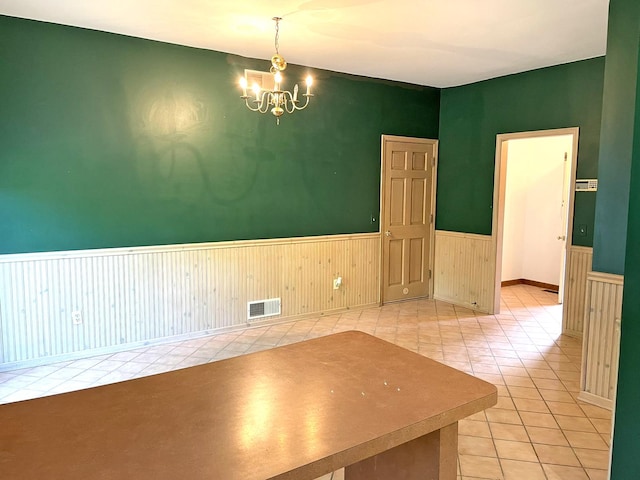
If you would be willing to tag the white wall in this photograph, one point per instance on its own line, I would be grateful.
(533, 215)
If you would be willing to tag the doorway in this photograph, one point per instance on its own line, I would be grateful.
(407, 206)
(533, 193)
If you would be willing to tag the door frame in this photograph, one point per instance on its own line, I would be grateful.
(499, 186)
(432, 225)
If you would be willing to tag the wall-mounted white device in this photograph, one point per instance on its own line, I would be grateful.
(587, 185)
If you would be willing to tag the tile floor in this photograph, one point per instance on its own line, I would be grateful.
(537, 431)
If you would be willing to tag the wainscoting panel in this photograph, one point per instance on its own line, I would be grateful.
(138, 295)
(601, 341)
(579, 261)
(464, 269)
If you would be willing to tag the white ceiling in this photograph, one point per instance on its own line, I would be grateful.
(439, 43)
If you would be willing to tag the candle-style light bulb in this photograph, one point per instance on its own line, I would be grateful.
(243, 85)
(278, 79)
(309, 83)
(256, 90)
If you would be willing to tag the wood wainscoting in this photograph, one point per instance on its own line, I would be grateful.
(601, 341)
(578, 263)
(464, 270)
(129, 296)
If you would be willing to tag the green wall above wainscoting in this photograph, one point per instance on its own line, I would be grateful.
(112, 141)
(471, 116)
(616, 136)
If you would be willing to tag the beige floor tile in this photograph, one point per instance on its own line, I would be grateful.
(479, 416)
(491, 378)
(480, 467)
(557, 396)
(515, 450)
(505, 403)
(595, 412)
(503, 416)
(474, 428)
(568, 409)
(518, 381)
(541, 373)
(479, 446)
(569, 376)
(556, 455)
(572, 387)
(534, 419)
(602, 425)
(549, 384)
(528, 405)
(503, 391)
(560, 472)
(547, 436)
(579, 424)
(519, 470)
(524, 392)
(514, 371)
(597, 459)
(591, 441)
(505, 362)
(597, 474)
(504, 431)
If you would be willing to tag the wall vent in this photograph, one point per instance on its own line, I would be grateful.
(263, 308)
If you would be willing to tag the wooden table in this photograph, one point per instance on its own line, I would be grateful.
(294, 412)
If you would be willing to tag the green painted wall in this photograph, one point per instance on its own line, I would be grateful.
(114, 141)
(471, 116)
(616, 137)
(626, 461)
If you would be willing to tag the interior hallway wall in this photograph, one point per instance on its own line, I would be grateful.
(533, 217)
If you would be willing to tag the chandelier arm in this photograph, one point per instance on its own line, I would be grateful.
(308, 97)
(260, 105)
(246, 102)
(265, 100)
(289, 103)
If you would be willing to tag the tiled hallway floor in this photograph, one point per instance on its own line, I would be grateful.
(538, 430)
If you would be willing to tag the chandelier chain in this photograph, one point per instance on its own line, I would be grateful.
(277, 40)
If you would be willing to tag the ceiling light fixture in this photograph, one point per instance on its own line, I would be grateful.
(279, 100)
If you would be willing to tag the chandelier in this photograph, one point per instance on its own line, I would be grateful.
(278, 101)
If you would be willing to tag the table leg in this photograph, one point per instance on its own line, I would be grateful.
(430, 457)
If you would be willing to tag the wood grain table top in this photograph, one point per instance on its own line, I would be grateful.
(292, 412)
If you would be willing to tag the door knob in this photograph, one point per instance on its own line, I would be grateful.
(388, 233)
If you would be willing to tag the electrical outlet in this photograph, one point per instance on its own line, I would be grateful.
(337, 283)
(76, 317)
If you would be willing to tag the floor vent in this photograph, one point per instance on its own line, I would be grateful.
(263, 308)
